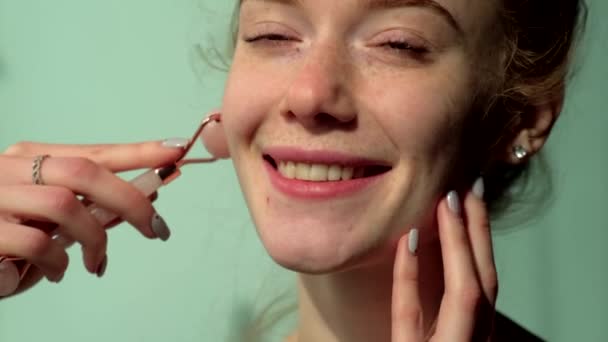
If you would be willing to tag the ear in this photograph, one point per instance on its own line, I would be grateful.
(534, 129)
(214, 137)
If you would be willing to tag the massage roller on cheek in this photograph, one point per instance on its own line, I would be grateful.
(13, 270)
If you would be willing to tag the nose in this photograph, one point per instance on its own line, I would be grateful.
(318, 94)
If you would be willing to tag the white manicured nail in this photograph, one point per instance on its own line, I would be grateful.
(412, 242)
(454, 203)
(160, 228)
(59, 279)
(101, 269)
(479, 188)
(9, 278)
(176, 143)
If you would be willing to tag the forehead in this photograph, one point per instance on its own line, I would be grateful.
(463, 15)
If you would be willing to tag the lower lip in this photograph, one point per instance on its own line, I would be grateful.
(318, 190)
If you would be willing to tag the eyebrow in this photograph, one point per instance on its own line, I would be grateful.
(387, 4)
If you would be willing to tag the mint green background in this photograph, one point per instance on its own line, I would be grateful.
(121, 71)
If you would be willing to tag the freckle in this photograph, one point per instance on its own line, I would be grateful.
(268, 200)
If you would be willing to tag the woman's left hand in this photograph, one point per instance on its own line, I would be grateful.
(470, 280)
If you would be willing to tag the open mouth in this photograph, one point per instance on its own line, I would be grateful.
(314, 172)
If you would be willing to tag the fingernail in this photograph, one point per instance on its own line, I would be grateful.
(101, 269)
(454, 202)
(176, 143)
(9, 278)
(412, 242)
(159, 227)
(58, 279)
(479, 188)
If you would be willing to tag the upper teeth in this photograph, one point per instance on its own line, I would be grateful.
(318, 172)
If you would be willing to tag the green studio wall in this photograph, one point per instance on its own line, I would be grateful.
(123, 71)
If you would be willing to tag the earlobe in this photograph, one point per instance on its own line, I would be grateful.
(534, 130)
(214, 137)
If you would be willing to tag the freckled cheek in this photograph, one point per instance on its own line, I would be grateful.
(420, 123)
(244, 104)
(252, 92)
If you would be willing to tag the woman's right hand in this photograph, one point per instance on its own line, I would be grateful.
(89, 171)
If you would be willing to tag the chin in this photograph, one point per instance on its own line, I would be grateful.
(313, 248)
(298, 248)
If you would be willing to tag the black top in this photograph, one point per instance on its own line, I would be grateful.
(506, 330)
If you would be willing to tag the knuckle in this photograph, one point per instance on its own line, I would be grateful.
(64, 201)
(484, 223)
(470, 296)
(137, 204)
(82, 169)
(99, 154)
(490, 280)
(18, 149)
(406, 313)
(37, 245)
(99, 240)
(139, 198)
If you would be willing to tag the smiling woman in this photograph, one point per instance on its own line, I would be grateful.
(439, 94)
(374, 143)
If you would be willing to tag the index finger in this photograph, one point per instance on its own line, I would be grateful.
(115, 157)
(406, 309)
(480, 239)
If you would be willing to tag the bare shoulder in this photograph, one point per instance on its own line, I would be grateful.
(507, 330)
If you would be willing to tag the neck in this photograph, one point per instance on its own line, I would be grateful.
(355, 305)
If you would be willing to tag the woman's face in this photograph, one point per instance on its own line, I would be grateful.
(345, 118)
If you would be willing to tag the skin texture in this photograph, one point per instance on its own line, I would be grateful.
(393, 84)
(334, 83)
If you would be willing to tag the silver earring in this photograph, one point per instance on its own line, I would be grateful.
(520, 152)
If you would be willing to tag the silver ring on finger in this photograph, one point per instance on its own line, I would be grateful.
(37, 169)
